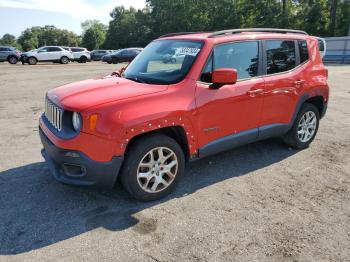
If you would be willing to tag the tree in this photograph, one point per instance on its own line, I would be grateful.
(94, 34)
(128, 28)
(36, 36)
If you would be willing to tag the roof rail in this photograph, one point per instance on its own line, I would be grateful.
(267, 30)
(181, 33)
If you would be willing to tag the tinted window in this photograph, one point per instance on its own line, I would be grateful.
(280, 56)
(304, 55)
(53, 49)
(2, 49)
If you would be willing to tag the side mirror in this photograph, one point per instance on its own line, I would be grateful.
(224, 76)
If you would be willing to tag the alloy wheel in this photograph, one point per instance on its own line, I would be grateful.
(157, 169)
(307, 126)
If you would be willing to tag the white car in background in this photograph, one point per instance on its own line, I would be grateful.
(80, 54)
(47, 54)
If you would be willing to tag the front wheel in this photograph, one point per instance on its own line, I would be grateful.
(305, 127)
(32, 61)
(13, 60)
(152, 168)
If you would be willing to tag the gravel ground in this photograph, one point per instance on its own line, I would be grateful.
(261, 202)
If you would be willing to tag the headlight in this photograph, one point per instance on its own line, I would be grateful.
(76, 121)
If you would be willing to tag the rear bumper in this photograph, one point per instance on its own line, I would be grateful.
(75, 168)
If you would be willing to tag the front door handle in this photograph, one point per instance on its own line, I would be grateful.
(299, 83)
(255, 92)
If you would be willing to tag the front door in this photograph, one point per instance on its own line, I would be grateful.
(232, 109)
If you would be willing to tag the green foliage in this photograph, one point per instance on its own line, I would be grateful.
(133, 28)
(35, 37)
(9, 40)
(128, 27)
(94, 34)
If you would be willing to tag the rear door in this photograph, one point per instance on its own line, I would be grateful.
(283, 80)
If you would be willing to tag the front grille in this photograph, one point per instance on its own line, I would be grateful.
(54, 114)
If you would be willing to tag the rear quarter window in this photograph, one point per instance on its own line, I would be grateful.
(303, 51)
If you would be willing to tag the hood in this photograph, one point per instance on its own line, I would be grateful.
(31, 52)
(81, 95)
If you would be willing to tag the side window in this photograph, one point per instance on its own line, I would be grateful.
(242, 56)
(280, 56)
(304, 54)
(2, 49)
(53, 49)
(43, 50)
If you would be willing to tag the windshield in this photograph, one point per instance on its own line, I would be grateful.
(164, 62)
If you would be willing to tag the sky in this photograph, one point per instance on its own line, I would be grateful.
(17, 15)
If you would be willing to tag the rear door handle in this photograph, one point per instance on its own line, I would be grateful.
(299, 83)
(255, 92)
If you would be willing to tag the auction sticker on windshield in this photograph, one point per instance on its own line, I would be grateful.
(187, 51)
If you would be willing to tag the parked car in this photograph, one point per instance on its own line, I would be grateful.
(173, 57)
(96, 55)
(108, 58)
(9, 54)
(232, 88)
(125, 55)
(47, 54)
(80, 54)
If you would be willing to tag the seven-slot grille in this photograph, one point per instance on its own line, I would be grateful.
(53, 114)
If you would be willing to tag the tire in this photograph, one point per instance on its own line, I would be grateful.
(138, 160)
(304, 130)
(109, 62)
(12, 60)
(115, 60)
(32, 60)
(83, 59)
(64, 60)
(173, 60)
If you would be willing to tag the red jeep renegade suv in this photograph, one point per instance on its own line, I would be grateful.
(186, 96)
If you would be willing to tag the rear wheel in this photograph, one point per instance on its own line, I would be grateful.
(64, 60)
(152, 167)
(305, 127)
(12, 60)
(32, 61)
(83, 59)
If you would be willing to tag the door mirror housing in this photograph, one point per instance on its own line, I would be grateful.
(224, 76)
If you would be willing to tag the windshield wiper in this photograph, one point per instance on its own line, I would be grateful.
(136, 79)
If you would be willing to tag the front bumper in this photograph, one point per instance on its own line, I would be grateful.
(75, 168)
